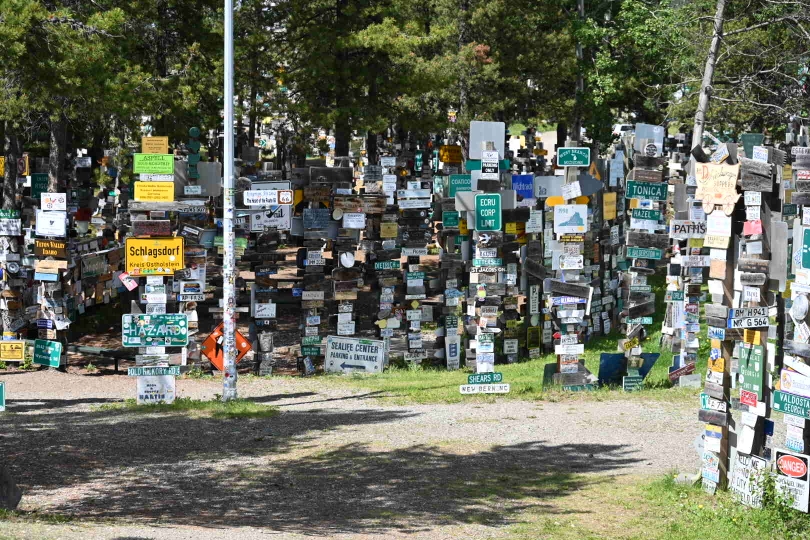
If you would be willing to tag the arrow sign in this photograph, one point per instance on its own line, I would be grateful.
(344, 366)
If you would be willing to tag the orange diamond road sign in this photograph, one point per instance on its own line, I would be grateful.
(214, 344)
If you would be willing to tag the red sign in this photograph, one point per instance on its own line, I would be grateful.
(792, 466)
(748, 398)
(214, 344)
(685, 370)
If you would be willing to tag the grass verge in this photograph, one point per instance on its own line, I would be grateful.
(238, 408)
(633, 509)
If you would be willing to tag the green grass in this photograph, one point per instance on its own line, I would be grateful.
(238, 408)
(429, 385)
(52, 519)
(640, 509)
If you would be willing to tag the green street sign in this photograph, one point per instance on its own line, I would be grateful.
(450, 220)
(460, 182)
(791, 404)
(39, 185)
(414, 275)
(153, 371)
(639, 320)
(386, 265)
(752, 366)
(806, 249)
(155, 330)
(488, 262)
(484, 378)
(47, 353)
(311, 351)
(640, 288)
(642, 213)
(652, 191)
(310, 340)
(488, 212)
(790, 209)
(644, 253)
(2, 396)
(573, 157)
(153, 164)
(631, 384)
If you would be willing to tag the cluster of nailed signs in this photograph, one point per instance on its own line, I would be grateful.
(737, 233)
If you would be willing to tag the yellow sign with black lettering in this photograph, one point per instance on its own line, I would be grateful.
(12, 350)
(154, 256)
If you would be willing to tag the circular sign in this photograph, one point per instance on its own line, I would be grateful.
(347, 259)
(337, 213)
(799, 308)
(650, 150)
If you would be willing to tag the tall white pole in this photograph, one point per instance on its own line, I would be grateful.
(229, 263)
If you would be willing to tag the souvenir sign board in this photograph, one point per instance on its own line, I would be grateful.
(570, 219)
(47, 353)
(213, 346)
(573, 157)
(345, 354)
(717, 185)
(154, 256)
(155, 330)
(153, 164)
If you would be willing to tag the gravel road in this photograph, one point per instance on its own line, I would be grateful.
(333, 464)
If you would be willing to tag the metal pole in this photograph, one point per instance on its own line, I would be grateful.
(228, 263)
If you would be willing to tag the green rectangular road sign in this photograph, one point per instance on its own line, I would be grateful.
(312, 350)
(791, 404)
(644, 253)
(47, 353)
(460, 182)
(153, 371)
(573, 157)
(450, 220)
(488, 212)
(652, 191)
(484, 378)
(643, 213)
(153, 164)
(2, 396)
(489, 261)
(631, 384)
(639, 320)
(386, 265)
(155, 330)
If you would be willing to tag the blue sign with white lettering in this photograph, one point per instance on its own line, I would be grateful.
(523, 184)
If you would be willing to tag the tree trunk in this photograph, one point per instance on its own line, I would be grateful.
(708, 75)
(342, 135)
(371, 147)
(56, 157)
(463, 39)
(13, 151)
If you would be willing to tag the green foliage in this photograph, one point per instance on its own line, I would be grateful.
(90, 368)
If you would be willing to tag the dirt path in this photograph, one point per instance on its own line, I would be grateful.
(332, 465)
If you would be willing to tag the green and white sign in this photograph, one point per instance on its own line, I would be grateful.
(460, 182)
(153, 164)
(47, 353)
(155, 330)
(651, 191)
(752, 365)
(450, 220)
(2, 396)
(791, 404)
(386, 265)
(488, 212)
(573, 157)
(639, 320)
(484, 378)
(153, 371)
(632, 383)
(644, 253)
(643, 213)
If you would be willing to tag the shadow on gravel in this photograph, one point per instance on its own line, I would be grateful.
(188, 470)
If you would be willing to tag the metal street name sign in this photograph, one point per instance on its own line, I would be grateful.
(644, 253)
(152, 371)
(484, 388)
(646, 190)
(484, 378)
